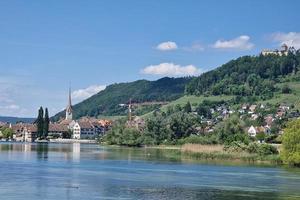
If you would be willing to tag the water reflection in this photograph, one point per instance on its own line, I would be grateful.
(76, 152)
(42, 151)
(84, 171)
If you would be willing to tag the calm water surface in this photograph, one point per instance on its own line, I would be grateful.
(85, 171)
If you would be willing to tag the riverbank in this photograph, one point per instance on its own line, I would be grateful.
(73, 141)
(218, 152)
(212, 153)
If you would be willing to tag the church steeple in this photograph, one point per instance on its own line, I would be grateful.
(69, 110)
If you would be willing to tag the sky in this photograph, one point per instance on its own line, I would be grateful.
(46, 46)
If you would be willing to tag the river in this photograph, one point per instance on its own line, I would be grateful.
(89, 171)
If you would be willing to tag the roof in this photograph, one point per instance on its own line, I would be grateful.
(21, 126)
(85, 124)
(58, 128)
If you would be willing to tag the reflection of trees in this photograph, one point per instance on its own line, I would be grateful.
(42, 151)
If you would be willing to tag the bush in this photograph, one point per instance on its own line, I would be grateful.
(131, 137)
(267, 149)
(286, 89)
(291, 143)
(235, 147)
(254, 148)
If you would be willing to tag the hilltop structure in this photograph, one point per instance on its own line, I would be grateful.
(282, 52)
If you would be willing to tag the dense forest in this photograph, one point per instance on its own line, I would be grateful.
(246, 76)
(107, 101)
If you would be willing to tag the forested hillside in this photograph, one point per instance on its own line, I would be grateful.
(246, 76)
(107, 101)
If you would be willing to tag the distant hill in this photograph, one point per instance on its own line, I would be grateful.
(107, 102)
(14, 120)
(245, 79)
(246, 76)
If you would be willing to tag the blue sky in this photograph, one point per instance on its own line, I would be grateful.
(45, 45)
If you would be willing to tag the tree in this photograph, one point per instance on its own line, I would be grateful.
(232, 130)
(46, 124)
(291, 143)
(131, 137)
(7, 133)
(67, 134)
(40, 123)
(260, 136)
(286, 89)
(188, 107)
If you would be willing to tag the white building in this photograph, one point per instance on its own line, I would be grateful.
(283, 51)
(84, 130)
(252, 131)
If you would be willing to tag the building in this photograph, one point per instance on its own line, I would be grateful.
(29, 133)
(57, 130)
(24, 132)
(69, 111)
(283, 51)
(84, 130)
(253, 131)
(89, 128)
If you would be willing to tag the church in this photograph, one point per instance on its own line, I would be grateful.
(69, 111)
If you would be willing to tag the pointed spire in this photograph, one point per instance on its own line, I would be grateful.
(69, 111)
(70, 101)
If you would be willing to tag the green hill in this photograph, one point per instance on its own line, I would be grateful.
(247, 76)
(106, 102)
(269, 79)
(248, 79)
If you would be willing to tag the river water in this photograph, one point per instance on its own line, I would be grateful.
(89, 171)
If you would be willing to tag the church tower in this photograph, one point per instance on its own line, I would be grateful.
(69, 111)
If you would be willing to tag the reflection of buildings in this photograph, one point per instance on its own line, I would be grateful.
(76, 151)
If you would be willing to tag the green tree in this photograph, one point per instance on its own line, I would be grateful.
(286, 89)
(40, 122)
(156, 131)
(7, 133)
(67, 134)
(188, 107)
(232, 130)
(46, 124)
(131, 137)
(260, 136)
(291, 143)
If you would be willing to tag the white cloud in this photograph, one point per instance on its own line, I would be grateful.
(167, 46)
(240, 43)
(290, 39)
(171, 69)
(81, 94)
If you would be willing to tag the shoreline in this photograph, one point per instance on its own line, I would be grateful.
(213, 156)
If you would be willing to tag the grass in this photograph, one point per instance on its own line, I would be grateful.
(217, 152)
(196, 148)
(292, 98)
(194, 100)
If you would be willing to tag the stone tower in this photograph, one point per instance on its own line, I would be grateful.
(69, 111)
